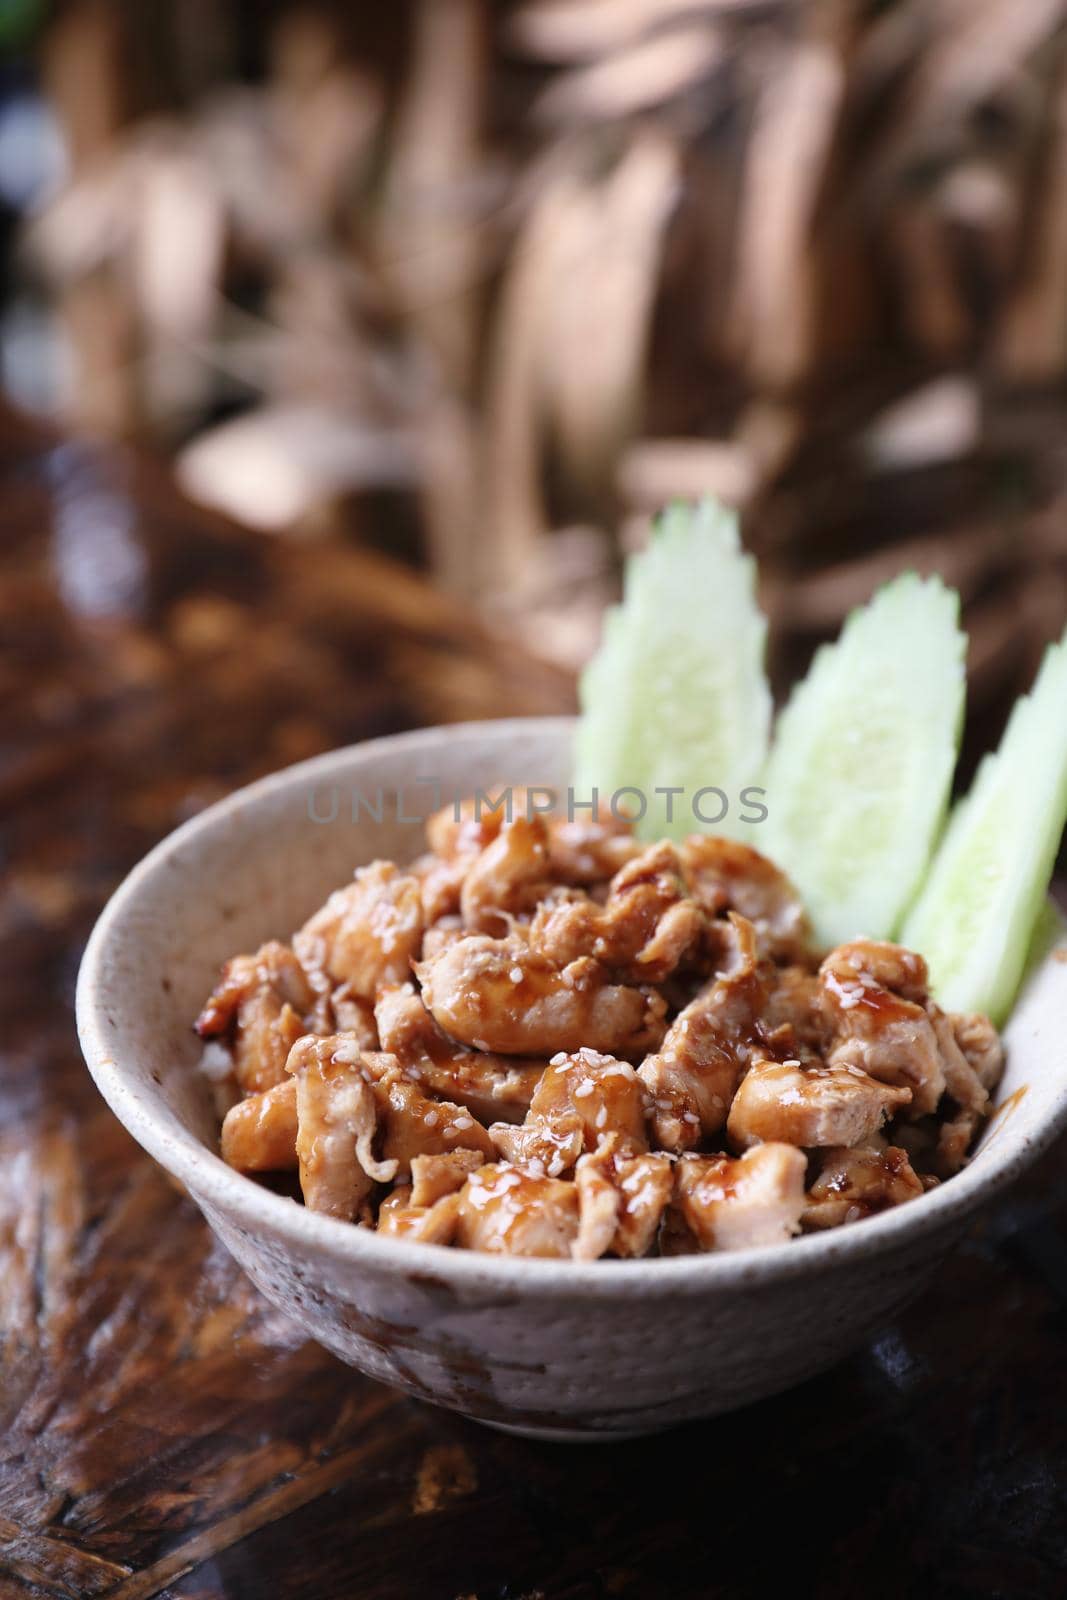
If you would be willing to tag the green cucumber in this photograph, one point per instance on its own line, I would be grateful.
(676, 697)
(985, 893)
(861, 766)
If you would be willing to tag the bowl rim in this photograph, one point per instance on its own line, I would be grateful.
(255, 1207)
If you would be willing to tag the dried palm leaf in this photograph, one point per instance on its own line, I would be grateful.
(581, 30)
(641, 76)
(607, 267)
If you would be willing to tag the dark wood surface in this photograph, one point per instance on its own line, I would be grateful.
(164, 1431)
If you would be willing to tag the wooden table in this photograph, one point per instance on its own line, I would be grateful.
(165, 1432)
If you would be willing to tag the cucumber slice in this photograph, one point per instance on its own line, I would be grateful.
(676, 696)
(862, 761)
(985, 893)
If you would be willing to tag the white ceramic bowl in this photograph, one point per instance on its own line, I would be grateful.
(564, 1350)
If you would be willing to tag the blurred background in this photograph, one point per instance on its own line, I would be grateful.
(483, 284)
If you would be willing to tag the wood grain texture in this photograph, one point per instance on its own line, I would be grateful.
(164, 1432)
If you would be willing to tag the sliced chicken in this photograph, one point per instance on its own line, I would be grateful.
(440, 886)
(692, 1077)
(954, 1141)
(621, 1198)
(580, 1100)
(736, 1205)
(980, 1043)
(584, 848)
(506, 1211)
(337, 1119)
(961, 1080)
(589, 1016)
(856, 1183)
(646, 926)
(875, 995)
(442, 933)
(259, 1133)
(810, 1104)
(367, 933)
(260, 1004)
(465, 827)
(493, 1087)
(588, 848)
(508, 877)
(427, 1209)
(725, 876)
(795, 1002)
(413, 1123)
(434, 1224)
(975, 1060)
(432, 1177)
(350, 1014)
(541, 1145)
(501, 995)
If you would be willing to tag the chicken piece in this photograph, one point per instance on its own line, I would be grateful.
(432, 1177)
(581, 852)
(955, 1138)
(621, 1197)
(337, 1118)
(541, 1145)
(675, 1237)
(367, 933)
(259, 1133)
(961, 1080)
(412, 1124)
(465, 827)
(723, 875)
(434, 1224)
(503, 995)
(260, 1002)
(606, 1095)
(442, 933)
(348, 1013)
(338, 1010)
(505, 1211)
(580, 1100)
(493, 1087)
(692, 1078)
(440, 885)
(508, 877)
(856, 1183)
(795, 1002)
(587, 849)
(875, 997)
(982, 1047)
(645, 927)
(598, 1212)
(810, 1105)
(736, 1205)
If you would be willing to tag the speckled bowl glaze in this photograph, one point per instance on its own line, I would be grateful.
(562, 1350)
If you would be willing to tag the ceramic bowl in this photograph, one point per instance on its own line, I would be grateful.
(557, 1349)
